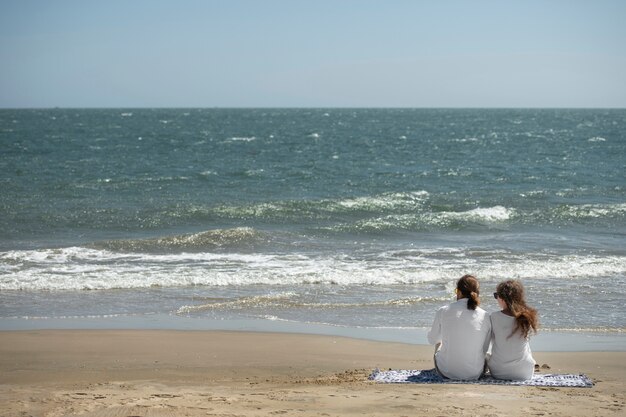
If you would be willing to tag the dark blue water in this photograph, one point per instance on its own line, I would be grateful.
(340, 216)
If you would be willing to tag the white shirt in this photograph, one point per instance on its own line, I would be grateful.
(464, 335)
(511, 357)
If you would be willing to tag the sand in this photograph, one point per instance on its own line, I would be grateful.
(126, 373)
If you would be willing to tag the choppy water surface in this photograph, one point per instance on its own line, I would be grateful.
(351, 217)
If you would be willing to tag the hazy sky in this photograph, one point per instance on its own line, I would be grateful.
(316, 53)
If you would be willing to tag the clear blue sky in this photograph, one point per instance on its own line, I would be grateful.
(317, 53)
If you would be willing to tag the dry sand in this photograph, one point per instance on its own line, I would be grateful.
(206, 373)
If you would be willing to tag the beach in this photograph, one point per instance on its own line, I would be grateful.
(222, 373)
(262, 261)
(247, 208)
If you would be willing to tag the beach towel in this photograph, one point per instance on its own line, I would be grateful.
(430, 376)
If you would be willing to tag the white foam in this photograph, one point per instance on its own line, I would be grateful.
(254, 172)
(490, 214)
(497, 214)
(239, 303)
(596, 139)
(386, 201)
(584, 329)
(272, 318)
(493, 214)
(81, 268)
(242, 139)
(534, 193)
(292, 299)
(596, 210)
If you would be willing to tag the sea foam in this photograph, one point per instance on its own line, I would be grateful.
(77, 268)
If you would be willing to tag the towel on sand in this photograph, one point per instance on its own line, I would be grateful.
(430, 376)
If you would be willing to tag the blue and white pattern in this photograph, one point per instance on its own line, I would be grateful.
(430, 376)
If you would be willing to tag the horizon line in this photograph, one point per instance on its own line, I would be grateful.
(310, 108)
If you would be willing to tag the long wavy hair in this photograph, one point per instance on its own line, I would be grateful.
(469, 288)
(526, 318)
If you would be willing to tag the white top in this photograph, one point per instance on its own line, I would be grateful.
(511, 357)
(464, 335)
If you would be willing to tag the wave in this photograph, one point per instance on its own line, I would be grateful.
(241, 139)
(591, 211)
(413, 211)
(603, 329)
(383, 212)
(292, 300)
(488, 216)
(239, 238)
(325, 208)
(379, 213)
(80, 268)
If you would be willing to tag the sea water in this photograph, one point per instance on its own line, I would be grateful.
(363, 218)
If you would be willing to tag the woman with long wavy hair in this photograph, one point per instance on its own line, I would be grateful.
(511, 327)
(461, 333)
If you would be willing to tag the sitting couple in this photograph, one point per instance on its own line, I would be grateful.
(462, 333)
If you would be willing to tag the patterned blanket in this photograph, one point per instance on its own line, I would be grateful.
(430, 376)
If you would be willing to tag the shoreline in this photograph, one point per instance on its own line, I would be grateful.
(547, 340)
(102, 373)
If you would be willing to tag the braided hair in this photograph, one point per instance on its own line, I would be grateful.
(469, 288)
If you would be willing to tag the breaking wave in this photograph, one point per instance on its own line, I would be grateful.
(411, 212)
(490, 217)
(79, 268)
(197, 242)
(326, 208)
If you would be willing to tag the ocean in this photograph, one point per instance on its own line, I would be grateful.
(362, 218)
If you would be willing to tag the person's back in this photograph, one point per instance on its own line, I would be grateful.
(461, 331)
(511, 357)
(464, 338)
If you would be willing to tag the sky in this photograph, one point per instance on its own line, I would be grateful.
(316, 53)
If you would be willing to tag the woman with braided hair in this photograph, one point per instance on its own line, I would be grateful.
(511, 357)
